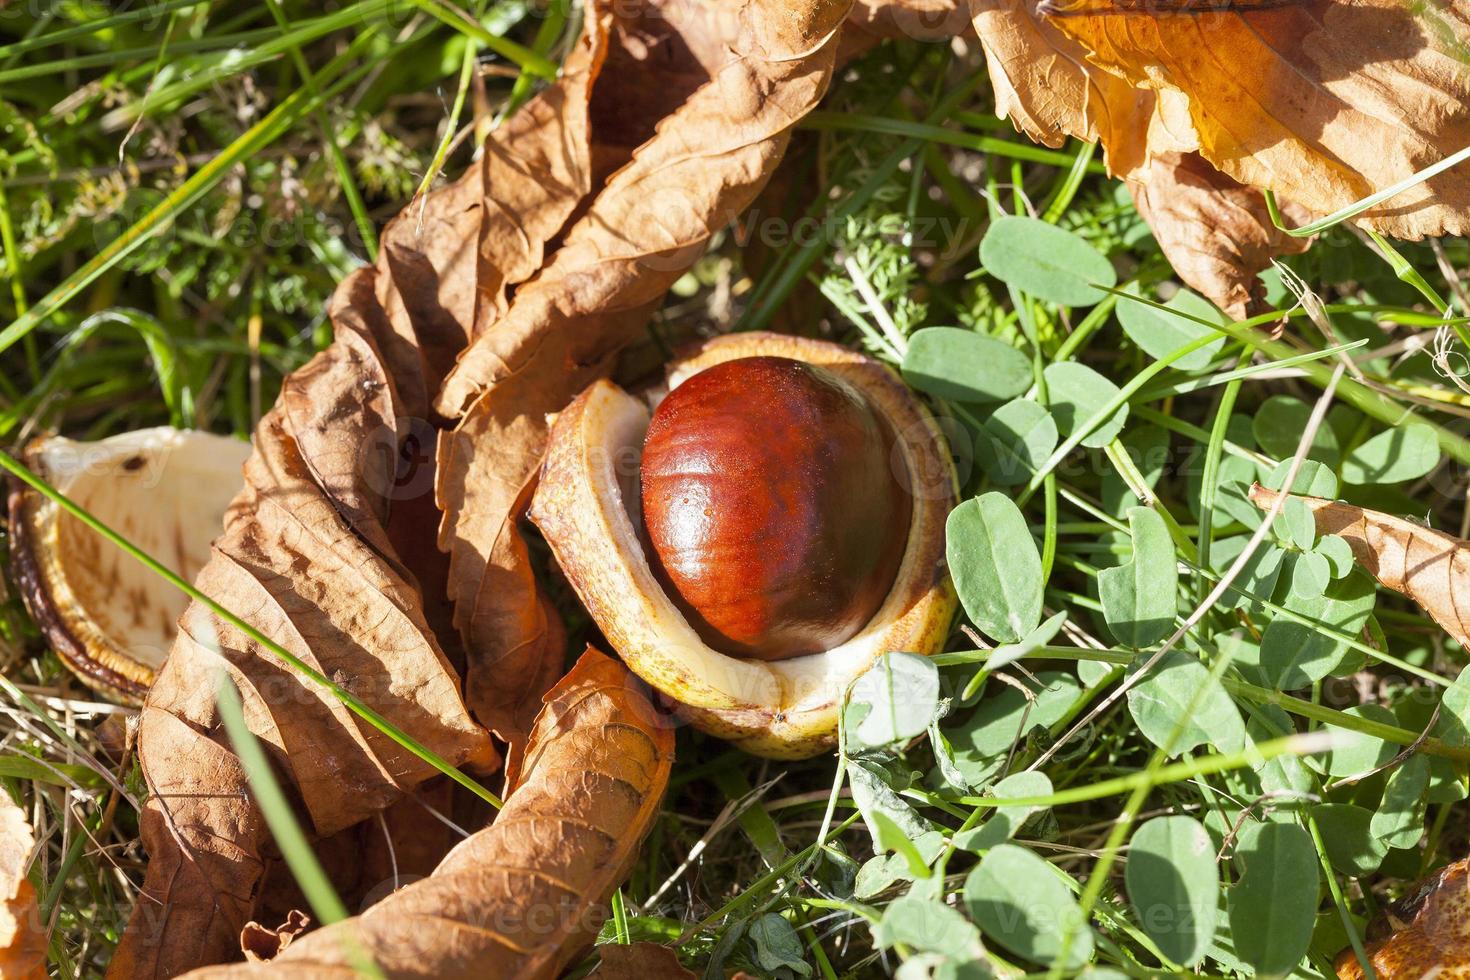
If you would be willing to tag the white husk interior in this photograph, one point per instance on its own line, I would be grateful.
(171, 506)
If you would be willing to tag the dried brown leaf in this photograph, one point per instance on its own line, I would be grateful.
(1045, 86)
(535, 172)
(368, 860)
(739, 94)
(306, 558)
(260, 943)
(1429, 566)
(641, 961)
(1215, 231)
(22, 933)
(1323, 101)
(520, 899)
(1427, 933)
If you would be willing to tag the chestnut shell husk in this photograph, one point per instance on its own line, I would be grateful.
(109, 620)
(586, 508)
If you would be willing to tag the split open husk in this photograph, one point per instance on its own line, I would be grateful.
(110, 620)
(586, 508)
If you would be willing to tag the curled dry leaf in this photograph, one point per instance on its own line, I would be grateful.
(1429, 566)
(309, 557)
(734, 85)
(22, 933)
(1322, 101)
(1427, 934)
(107, 617)
(1215, 231)
(919, 20)
(521, 898)
(640, 961)
(260, 943)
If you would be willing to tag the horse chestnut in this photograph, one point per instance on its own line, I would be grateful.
(771, 506)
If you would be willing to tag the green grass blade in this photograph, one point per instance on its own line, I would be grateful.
(296, 849)
(523, 56)
(1371, 201)
(262, 134)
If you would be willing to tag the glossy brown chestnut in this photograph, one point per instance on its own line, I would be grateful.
(771, 506)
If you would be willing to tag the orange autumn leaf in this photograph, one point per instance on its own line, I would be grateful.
(1429, 566)
(1323, 102)
(1044, 85)
(22, 933)
(522, 898)
(1426, 934)
(734, 97)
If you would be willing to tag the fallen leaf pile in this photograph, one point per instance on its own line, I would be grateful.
(531, 272)
(496, 299)
(307, 556)
(525, 895)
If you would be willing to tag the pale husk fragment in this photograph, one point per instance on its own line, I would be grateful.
(109, 619)
(742, 77)
(1429, 566)
(520, 899)
(786, 708)
(22, 932)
